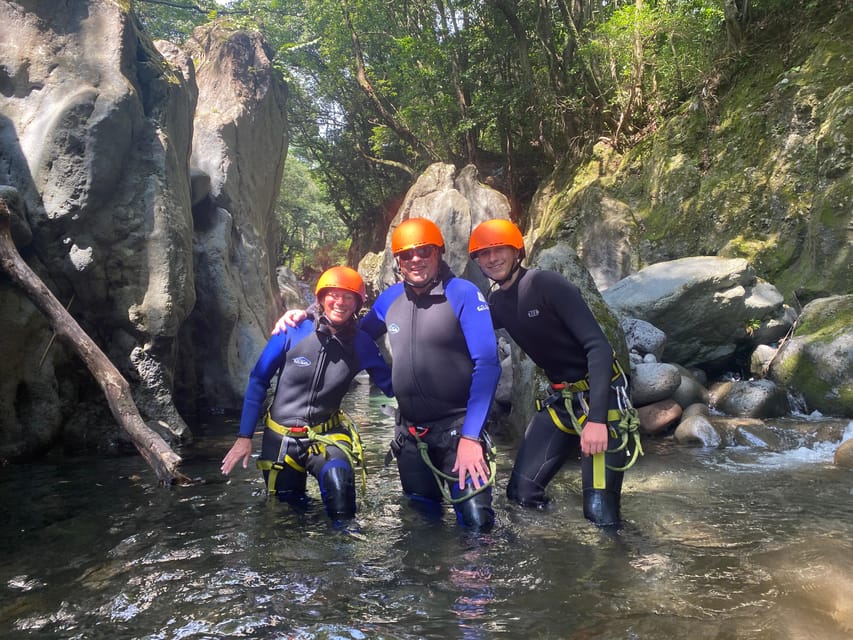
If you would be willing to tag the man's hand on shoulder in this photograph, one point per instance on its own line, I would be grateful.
(291, 318)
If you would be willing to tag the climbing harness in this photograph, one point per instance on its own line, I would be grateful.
(417, 434)
(319, 438)
(627, 427)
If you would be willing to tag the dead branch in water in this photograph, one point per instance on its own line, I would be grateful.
(159, 456)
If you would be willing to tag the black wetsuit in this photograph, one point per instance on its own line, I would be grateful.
(548, 318)
(315, 369)
(445, 372)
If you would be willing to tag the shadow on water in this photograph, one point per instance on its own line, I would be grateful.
(732, 543)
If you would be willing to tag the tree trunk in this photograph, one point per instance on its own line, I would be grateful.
(153, 448)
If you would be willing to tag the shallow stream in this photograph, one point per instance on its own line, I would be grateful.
(734, 543)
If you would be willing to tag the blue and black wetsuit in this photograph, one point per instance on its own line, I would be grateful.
(315, 369)
(548, 318)
(445, 373)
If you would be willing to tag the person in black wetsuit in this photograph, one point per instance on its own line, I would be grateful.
(306, 432)
(445, 371)
(546, 316)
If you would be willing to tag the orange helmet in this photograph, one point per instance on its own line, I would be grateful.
(342, 278)
(415, 232)
(494, 233)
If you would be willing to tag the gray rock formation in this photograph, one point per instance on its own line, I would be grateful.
(96, 138)
(239, 143)
(708, 307)
(456, 202)
(96, 135)
(750, 398)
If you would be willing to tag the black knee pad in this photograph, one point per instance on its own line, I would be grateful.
(337, 487)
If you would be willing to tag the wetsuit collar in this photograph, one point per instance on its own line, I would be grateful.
(344, 331)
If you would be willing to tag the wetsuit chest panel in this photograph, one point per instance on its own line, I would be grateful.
(432, 366)
(547, 318)
(321, 364)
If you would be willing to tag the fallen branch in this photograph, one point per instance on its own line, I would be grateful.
(150, 445)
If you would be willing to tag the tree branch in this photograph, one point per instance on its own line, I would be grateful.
(153, 448)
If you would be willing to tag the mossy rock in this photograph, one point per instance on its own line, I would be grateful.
(817, 361)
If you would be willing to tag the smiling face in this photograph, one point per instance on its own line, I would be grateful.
(419, 266)
(497, 262)
(339, 305)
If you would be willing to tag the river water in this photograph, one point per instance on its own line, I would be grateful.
(735, 543)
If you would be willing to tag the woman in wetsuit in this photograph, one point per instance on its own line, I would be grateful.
(306, 432)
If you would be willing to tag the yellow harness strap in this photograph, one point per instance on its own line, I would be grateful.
(316, 434)
(338, 418)
(628, 421)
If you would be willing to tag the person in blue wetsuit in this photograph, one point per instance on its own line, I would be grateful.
(306, 432)
(549, 320)
(445, 370)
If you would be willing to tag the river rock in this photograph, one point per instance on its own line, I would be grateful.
(844, 454)
(817, 361)
(705, 305)
(758, 434)
(759, 361)
(690, 390)
(697, 430)
(657, 417)
(653, 382)
(644, 338)
(696, 409)
(750, 398)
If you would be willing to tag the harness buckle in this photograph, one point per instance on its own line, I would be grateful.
(418, 432)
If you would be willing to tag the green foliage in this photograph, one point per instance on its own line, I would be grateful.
(380, 89)
(174, 23)
(313, 238)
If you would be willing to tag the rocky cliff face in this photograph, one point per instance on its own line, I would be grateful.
(758, 167)
(98, 133)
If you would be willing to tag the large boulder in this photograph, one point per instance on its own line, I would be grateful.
(750, 398)
(238, 150)
(457, 202)
(95, 135)
(710, 308)
(572, 206)
(96, 140)
(817, 361)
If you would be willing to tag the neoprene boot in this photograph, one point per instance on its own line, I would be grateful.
(601, 506)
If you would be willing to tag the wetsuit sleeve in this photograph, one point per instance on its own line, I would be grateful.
(372, 361)
(569, 305)
(373, 323)
(269, 362)
(473, 312)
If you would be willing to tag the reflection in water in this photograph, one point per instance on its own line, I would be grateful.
(740, 543)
